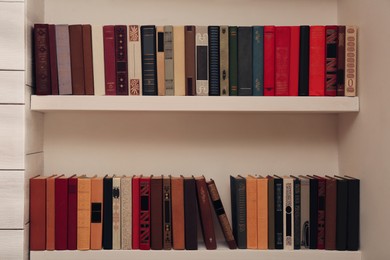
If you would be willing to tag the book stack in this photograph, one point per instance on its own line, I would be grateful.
(195, 60)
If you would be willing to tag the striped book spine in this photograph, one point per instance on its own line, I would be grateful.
(214, 89)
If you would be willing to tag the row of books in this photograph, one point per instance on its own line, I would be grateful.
(195, 60)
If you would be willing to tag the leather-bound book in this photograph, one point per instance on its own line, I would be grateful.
(313, 229)
(278, 198)
(160, 60)
(38, 213)
(288, 212)
(88, 60)
(297, 213)
(116, 212)
(50, 213)
(135, 210)
(233, 61)
(126, 213)
(96, 213)
(107, 212)
(305, 212)
(72, 212)
(190, 214)
(353, 212)
(109, 59)
(321, 212)
(144, 213)
(258, 60)
(149, 63)
(269, 60)
(168, 61)
(177, 195)
(202, 61)
(63, 59)
(53, 60)
(304, 51)
(350, 60)
(251, 212)
(61, 209)
(167, 213)
(77, 58)
(341, 213)
(271, 212)
(294, 61)
(262, 212)
(341, 60)
(224, 60)
(331, 34)
(214, 61)
(221, 214)
(84, 213)
(317, 61)
(205, 213)
(179, 60)
(122, 77)
(42, 59)
(156, 212)
(244, 61)
(282, 60)
(330, 213)
(238, 202)
(190, 72)
(135, 67)
(98, 61)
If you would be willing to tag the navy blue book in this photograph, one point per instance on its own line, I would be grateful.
(257, 62)
(214, 62)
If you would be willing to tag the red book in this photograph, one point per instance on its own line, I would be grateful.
(331, 60)
(122, 85)
(321, 212)
(317, 61)
(294, 61)
(269, 60)
(109, 59)
(53, 60)
(72, 213)
(61, 216)
(38, 213)
(135, 211)
(282, 60)
(144, 213)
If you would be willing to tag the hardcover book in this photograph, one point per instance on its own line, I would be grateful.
(304, 49)
(294, 60)
(177, 195)
(167, 213)
(72, 212)
(96, 213)
(37, 219)
(341, 61)
(109, 59)
(313, 235)
(98, 60)
(122, 84)
(202, 63)
(271, 212)
(353, 213)
(156, 212)
(88, 59)
(144, 213)
(160, 60)
(190, 68)
(342, 213)
(321, 212)
(149, 63)
(190, 214)
(179, 60)
(305, 212)
(116, 212)
(279, 212)
(350, 60)
(262, 212)
(330, 213)
(317, 61)
(214, 61)
(233, 61)
(50, 213)
(53, 60)
(77, 59)
(224, 60)
(297, 213)
(83, 213)
(136, 210)
(331, 34)
(42, 59)
(169, 62)
(126, 212)
(107, 212)
(282, 60)
(135, 67)
(63, 60)
(244, 61)
(257, 61)
(251, 212)
(61, 211)
(269, 60)
(288, 211)
(238, 202)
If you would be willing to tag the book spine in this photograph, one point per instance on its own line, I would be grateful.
(257, 61)
(304, 49)
(149, 66)
(98, 60)
(214, 65)
(341, 215)
(61, 211)
(269, 60)
(350, 60)
(88, 59)
(330, 214)
(63, 60)
(135, 209)
(160, 60)
(288, 211)
(167, 213)
(144, 213)
(190, 214)
(305, 213)
(179, 60)
(317, 61)
(42, 59)
(83, 214)
(294, 61)
(109, 59)
(233, 61)
(77, 59)
(271, 213)
(122, 83)
(50, 214)
(177, 195)
(321, 213)
(238, 202)
(126, 213)
(72, 213)
(282, 60)
(244, 49)
(224, 60)
(331, 60)
(107, 213)
(251, 212)
(190, 72)
(168, 61)
(53, 60)
(116, 213)
(313, 213)
(37, 219)
(156, 213)
(278, 189)
(297, 214)
(96, 213)
(202, 63)
(341, 61)
(135, 61)
(262, 213)
(353, 213)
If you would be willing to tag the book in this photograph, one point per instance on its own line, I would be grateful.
(177, 195)
(341, 61)
(297, 213)
(149, 65)
(116, 212)
(233, 61)
(262, 212)
(251, 212)
(202, 62)
(294, 60)
(179, 60)
(37, 219)
(269, 60)
(144, 213)
(63, 59)
(156, 212)
(98, 60)
(53, 60)
(135, 67)
(305, 212)
(257, 60)
(109, 59)
(126, 212)
(331, 34)
(122, 81)
(88, 60)
(214, 61)
(135, 210)
(190, 214)
(77, 59)
(224, 60)
(96, 213)
(288, 212)
(168, 61)
(42, 59)
(317, 61)
(72, 212)
(50, 213)
(160, 60)
(330, 213)
(238, 202)
(321, 212)
(107, 212)
(190, 69)
(83, 213)
(313, 229)
(304, 54)
(353, 213)
(342, 213)
(205, 213)
(282, 60)
(279, 212)
(350, 60)
(271, 212)
(244, 50)
(61, 213)
(167, 213)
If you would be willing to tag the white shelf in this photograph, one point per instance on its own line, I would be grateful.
(195, 103)
(196, 255)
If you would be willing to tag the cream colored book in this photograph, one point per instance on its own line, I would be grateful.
(98, 60)
(126, 212)
(202, 72)
(160, 60)
(134, 61)
(179, 60)
(116, 212)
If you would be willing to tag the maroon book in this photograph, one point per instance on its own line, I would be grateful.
(42, 59)
(72, 213)
(341, 61)
(330, 213)
(122, 85)
(53, 60)
(156, 212)
(331, 32)
(282, 60)
(321, 212)
(61, 216)
(144, 213)
(109, 59)
(37, 213)
(88, 59)
(77, 59)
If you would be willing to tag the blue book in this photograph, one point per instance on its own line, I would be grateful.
(257, 61)
(214, 65)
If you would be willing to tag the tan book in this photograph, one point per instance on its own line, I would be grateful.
(262, 212)
(350, 60)
(134, 60)
(126, 212)
(179, 60)
(83, 213)
(160, 60)
(251, 212)
(50, 213)
(288, 213)
(224, 60)
(177, 194)
(116, 213)
(96, 212)
(98, 60)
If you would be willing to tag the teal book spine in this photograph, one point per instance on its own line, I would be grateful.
(257, 61)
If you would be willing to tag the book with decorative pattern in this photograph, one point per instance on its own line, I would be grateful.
(109, 59)
(156, 212)
(149, 62)
(83, 213)
(126, 212)
(42, 59)
(258, 62)
(167, 213)
(269, 60)
(331, 34)
(202, 61)
(214, 61)
(134, 59)
(116, 212)
(160, 60)
(144, 213)
(122, 84)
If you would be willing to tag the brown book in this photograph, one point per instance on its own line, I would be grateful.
(156, 209)
(179, 60)
(42, 59)
(160, 60)
(96, 212)
(330, 213)
(206, 217)
(83, 213)
(190, 72)
(190, 214)
(167, 213)
(271, 213)
(251, 212)
(50, 213)
(77, 59)
(37, 215)
(88, 60)
(177, 195)
(262, 212)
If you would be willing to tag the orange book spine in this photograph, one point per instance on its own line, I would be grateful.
(83, 213)
(262, 213)
(251, 212)
(177, 194)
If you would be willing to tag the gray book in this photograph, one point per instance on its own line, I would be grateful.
(305, 211)
(169, 61)
(63, 59)
(126, 220)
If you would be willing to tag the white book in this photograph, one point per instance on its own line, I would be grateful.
(98, 60)
(288, 213)
(202, 71)
(134, 61)
(126, 212)
(116, 213)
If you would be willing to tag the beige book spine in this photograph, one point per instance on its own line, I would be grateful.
(134, 61)
(288, 213)
(126, 212)
(83, 213)
(201, 41)
(98, 60)
(350, 60)
(160, 60)
(224, 60)
(251, 212)
(116, 213)
(168, 61)
(179, 60)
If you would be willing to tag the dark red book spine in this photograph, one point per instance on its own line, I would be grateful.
(61, 213)
(282, 60)
(122, 85)
(53, 60)
(269, 60)
(331, 60)
(144, 213)
(42, 59)
(294, 60)
(109, 59)
(72, 213)
(135, 212)
(341, 61)
(317, 61)
(321, 213)
(77, 59)
(37, 214)
(88, 59)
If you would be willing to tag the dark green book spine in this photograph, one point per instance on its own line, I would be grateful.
(238, 200)
(257, 61)
(233, 60)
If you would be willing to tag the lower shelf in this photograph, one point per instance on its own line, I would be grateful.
(225, 254)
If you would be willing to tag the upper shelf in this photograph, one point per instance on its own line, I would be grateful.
(195, 104)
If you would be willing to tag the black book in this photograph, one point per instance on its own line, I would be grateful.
(304, 44)
(238, 202)
(214, 63)
(245, 61)
(313, 213)
(107, 212)
(271, 213)
(341, 216)
(278, 199)
(297, 213)
(149, 63)
(190, 214)
(353, 212)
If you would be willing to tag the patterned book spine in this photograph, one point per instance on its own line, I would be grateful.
(98, 60)
(156, 212)
(224, 59)
(88, 59)
(202, 77)
(122, 84)
(350, 60)
(321, 213)
(135, 68)
(83, 213)
(144, 213)
(304, 43)
(116, 213)
(341, 61)
(244, 61)
(126, 213)
(77, 59)
(214, 65)
(294, 61)
(278, 213)
(331, 60)
(53, 60)
(42, 59)
(168, 62)
(72, 213)
(233, 61)
(258, 63)
(317, 61)
(288, 219)
(297, 213)
(269, 60)
(167, 216)
(149, 66)
(160, 60)
(179, 60)
(282, 60)
(109, 59)
(190, 60)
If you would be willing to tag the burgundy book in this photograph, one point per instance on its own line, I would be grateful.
(61, 209)
(88, 60)
(144, 213)
(72, 213)
(77, 58)
(321, 212)
(190, 72)
(331, 32)
(282, 60)
(135, 211)
(269, 60)
(341, 61)
(37, 213)
(53, 60)
(122, 85)
(42, 59)
(109, 59)
(294, 60)
(330, 213)
(317, 61)
(156, 210)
